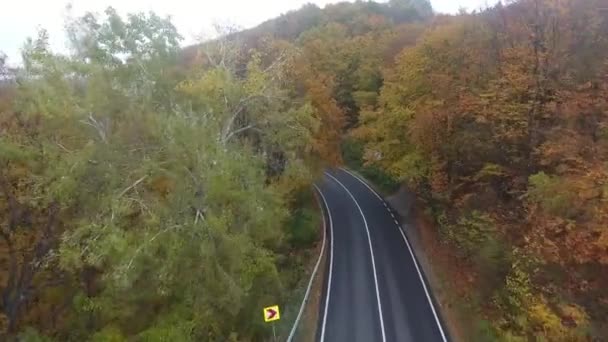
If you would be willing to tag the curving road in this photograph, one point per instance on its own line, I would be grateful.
(374, 287)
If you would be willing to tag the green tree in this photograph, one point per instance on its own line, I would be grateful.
(170, 193)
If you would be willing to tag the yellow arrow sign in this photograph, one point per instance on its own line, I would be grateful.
(272, 313)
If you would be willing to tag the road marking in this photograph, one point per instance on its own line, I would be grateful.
(370, 188)
(331, 262)
(371, 251)
(426, 291)
(314, 271)
(364, 183)
(397, 223)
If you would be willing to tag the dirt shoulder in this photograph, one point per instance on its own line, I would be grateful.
(307, 326)
(445, 275)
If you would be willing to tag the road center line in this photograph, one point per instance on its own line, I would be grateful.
(371, 251)
(426, 291)
(331, 263)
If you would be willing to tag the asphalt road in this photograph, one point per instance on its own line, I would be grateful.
(374, 289)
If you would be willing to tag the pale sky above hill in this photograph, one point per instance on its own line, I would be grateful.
(20, 19)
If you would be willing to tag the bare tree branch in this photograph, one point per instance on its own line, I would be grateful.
(235, 132)
(132, 186)
(99, 127)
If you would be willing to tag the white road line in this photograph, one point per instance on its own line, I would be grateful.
(312, 276)
(371, 251)
(331, 263)
(397, 223)
(426, 291)
(364, 183)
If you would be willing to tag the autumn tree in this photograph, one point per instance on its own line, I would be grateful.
(492, 118)
(162, 200)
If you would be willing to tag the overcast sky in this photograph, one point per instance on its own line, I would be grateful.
(20, 19)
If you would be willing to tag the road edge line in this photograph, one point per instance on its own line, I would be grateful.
(371, 251)
(364, 183)
(426, 291)
(314, 271)
(331, 260)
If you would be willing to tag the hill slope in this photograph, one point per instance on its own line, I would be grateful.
(132, 162)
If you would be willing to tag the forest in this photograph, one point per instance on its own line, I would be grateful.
(155, 192)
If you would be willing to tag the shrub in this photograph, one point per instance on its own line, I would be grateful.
(553, 195)
(304, 229)
(30, 334)
(472, 233)
(352, 153)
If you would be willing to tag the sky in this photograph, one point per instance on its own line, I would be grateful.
(20, 19)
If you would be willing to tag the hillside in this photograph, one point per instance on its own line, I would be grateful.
(358, 18)
(150, 192)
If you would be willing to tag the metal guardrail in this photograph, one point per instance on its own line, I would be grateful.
(305, 299)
